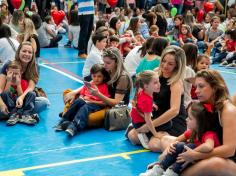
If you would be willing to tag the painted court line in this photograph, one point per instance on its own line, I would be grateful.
(61, 149)
(20, 172)
(55, 63)
(67, 74)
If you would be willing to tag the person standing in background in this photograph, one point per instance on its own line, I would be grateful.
(86, 16)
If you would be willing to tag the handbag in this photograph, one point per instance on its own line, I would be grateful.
(40, 92)
(117, 118)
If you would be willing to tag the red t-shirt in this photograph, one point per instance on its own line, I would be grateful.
(144, 105)
(103, 88)
(230, 45)
(184, 37)
(24, 85)
(207, 135)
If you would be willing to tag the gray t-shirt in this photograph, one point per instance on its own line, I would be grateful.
(44, 41)
(212, 35)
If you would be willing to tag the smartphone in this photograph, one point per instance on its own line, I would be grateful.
(87, 84)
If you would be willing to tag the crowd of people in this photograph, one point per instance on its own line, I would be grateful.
(162, 51)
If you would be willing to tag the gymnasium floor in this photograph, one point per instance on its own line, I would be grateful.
(40, 151)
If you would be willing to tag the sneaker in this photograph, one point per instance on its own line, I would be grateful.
(143, 140)
(155, 171)
(13, 119)
(129, 128)
(62, 125)
(68, 45)
(27, 119)
(36, 117)
(232, 65)
(224, 63)
(83, 56)
(170, 172)
(71, 129)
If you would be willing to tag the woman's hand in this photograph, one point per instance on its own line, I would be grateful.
(19, 102)
(4, 109)
(69, 97)
(171, 148)
(188, 156)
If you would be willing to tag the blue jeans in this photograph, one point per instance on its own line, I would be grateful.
(41, 103)
(79, 112)
(28, 104)
(170, 159)
(201, 46)
(219, 57)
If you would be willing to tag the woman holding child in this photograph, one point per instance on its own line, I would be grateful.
(119, 85)
(211, 89)
(169, 118)
(26, 57)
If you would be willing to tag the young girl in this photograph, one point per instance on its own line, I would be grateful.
(76, 118)
(203, 62)
(15, 86)
(197, 136)
(185, 35)
(147, 82)
(152, 59)
(74, 29)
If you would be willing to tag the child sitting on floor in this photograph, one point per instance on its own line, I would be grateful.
(15, 86)
(76, 117)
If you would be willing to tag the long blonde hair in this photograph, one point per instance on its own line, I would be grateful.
(180, 59)
(29, 27)
(31, 72)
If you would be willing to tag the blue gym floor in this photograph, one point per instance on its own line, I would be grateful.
(40, 151)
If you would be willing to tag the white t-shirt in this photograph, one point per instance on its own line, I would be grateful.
(94, 57)
(6, 50)
(132, 60)
(189, 73)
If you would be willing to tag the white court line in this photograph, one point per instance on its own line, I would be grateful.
(228, 72)
(54, 63)
(63, 73)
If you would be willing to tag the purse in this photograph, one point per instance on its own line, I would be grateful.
(40, 92)
(117, 118)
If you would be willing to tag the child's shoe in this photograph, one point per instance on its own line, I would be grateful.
(27, 119)
(143, 140)
(68, 45)
(13, 119)
(170, 172)
(71, 129)
(62, 125)
(155, 171)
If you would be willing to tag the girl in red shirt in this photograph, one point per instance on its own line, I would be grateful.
(147, 83)
(197, 136)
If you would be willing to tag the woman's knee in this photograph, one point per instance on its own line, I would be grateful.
(166, 141)
(41, 103)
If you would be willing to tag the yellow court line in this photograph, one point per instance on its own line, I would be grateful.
(20, 172)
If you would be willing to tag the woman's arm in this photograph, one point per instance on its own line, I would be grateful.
(3, 81)
(175, 101)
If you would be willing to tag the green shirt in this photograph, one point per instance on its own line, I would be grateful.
(148, 64)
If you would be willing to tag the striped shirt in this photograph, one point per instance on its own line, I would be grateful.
(85, 7)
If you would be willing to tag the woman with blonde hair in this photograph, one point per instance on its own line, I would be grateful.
(170, 114)
(29, 34)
